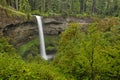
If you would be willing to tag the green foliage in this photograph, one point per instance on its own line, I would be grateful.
(107, 24)
(85, 52)
(37, 12)
(47, 14)
(51, 42)
(12, 67)
(18, 14)
(32, 47)
(66, 7)
(69, 59)
(22, 49)
(13, 14)
(5, 47)
(24, 6)
(90, 54)
(50, 48)
(3, 2)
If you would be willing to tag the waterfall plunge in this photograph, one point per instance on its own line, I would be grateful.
(41, 36)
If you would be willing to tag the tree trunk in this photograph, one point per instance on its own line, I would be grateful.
(16, 4)
(93, 6)
(81, 6)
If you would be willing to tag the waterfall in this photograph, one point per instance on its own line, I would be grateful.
(41, 36)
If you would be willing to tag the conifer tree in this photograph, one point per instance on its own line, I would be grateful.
(3, 2)
(24, 6)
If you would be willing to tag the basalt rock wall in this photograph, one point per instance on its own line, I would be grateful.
(20, 29)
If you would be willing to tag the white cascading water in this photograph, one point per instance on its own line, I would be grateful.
(41, 36)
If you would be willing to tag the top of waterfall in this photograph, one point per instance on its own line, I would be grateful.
(38, 16)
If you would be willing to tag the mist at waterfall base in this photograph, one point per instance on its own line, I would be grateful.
(41, 38)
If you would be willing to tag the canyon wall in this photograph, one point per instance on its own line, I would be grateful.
(21, 28)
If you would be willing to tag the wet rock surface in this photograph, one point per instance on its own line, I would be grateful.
(21, 30)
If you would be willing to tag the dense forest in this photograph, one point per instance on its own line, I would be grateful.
(84, 51)
(65, 7)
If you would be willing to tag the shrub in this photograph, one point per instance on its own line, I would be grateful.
(89, 55)
(5, 47)
(12, 67)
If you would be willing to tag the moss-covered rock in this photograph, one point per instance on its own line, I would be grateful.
(11, 17)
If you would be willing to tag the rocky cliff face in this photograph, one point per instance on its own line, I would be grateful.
(15, 25)
(20, 33)
(20, 29)
(10, 17)
(55, 25)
